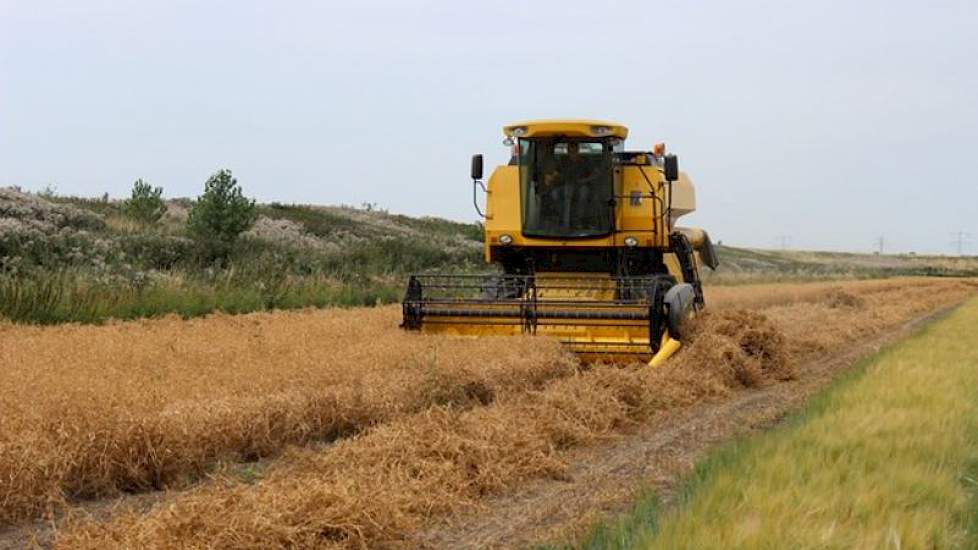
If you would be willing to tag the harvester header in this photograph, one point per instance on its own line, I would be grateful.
(582, 234)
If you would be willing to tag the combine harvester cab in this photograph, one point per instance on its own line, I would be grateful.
(582, 233)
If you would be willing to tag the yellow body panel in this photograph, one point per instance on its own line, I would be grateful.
(569, 128)
(640, 190)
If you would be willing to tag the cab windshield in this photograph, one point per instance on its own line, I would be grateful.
(566, 187)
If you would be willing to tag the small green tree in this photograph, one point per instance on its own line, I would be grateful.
(221, 213)
(146, 205)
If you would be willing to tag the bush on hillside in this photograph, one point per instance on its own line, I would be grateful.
(221, 214)
(160, 252)
(146, 205)
(28, 209)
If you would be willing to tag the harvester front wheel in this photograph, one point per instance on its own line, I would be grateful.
(680, 303)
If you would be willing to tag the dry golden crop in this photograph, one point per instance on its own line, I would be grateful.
(92, 411)
(379, 487)
(778, 294)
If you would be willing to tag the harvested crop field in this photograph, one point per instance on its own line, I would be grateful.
(96, 411)
(420, 432)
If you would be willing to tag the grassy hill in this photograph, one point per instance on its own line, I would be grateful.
(751, 265)
(81, 259)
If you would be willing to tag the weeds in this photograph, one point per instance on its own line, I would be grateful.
(63, 296)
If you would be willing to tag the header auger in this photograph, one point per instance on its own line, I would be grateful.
(583, 234)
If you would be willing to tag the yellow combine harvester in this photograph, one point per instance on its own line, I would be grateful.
(583, 234)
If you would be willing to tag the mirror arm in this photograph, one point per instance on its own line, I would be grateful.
(669, 209)
(475, 201)
(671, 173)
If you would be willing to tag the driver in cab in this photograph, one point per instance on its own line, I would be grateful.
(566, 184)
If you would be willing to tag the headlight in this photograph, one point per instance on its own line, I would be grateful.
(505, 240)
(600, 130)
(631, 241)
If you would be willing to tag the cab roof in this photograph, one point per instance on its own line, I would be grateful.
(565, 127)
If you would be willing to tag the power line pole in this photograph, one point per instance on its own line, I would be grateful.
(880, 241)
(961, 239)
(784, 241)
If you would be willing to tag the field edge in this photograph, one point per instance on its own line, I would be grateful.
(644, 516)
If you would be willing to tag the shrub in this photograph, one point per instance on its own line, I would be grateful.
(37, 243)
(154, 251)
(221, 213)
(321, 222)
(146, 205)
(29, 208)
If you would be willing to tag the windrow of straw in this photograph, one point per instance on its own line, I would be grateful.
(779, 294)
(376, 489)
(94, 411)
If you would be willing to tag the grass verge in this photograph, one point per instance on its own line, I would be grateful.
(887, 458)
(63, 297)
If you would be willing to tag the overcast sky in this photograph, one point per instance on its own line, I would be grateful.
(830, 123)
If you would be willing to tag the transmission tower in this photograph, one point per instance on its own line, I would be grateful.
(960, 240)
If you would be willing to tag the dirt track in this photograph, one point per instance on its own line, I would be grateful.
(602, 481)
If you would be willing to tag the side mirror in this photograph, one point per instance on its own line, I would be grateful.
(671, 167)
(477, 167)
